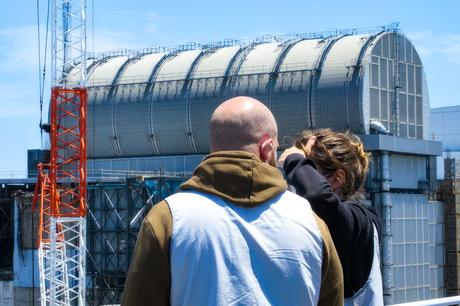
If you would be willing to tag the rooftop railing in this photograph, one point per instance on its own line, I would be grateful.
(448, 301)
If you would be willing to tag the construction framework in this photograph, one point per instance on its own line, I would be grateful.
(61, 188)
(116, 210)
(6, 233)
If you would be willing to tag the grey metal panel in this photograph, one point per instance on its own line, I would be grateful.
(444, 127)
(132, 122)
(255, 72)
(205, 93)
(337, 103)
(190, 137)
(407, 171)
(140, 70)
(418, 247)
(411, 80)
(169, 108)
(100, 131)
(99, 123)
(291, 94)
(204, 100)
(176, 67)
(133, 131)
(105, 72)
(401, 145)
(181, 165)
(169, 117)
(290, 104)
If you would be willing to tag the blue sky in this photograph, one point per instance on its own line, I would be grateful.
(432, 25)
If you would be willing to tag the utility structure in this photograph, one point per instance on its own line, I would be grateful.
(61, 188)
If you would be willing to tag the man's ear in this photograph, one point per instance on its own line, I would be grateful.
(265, 150)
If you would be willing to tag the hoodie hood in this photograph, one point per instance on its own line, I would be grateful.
(237, 176)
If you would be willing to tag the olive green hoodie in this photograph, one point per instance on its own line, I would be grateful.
(238, 177)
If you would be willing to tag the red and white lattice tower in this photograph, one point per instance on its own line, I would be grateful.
(61, 189)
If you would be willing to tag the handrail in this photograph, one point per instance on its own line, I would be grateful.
(453, 300)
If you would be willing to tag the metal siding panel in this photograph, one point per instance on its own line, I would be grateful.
(375, 75)
(418, 80)
(303, 55)
(132, 125)
(375, 104)
(261, 59)
(99, 123)
(201, 110)
(383, 73)
(176, 67)
(169, 118)
(407, 171)
(140, 70)
(105, 73)
(402, 107)
(331, 105)
(417, 261)
(215, 64)
(410, 78)
(291, 108)
(384, 105)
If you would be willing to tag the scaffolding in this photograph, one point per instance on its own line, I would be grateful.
(116, 211)
(6, 234)
(61, 186)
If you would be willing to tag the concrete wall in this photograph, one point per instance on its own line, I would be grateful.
(26, 296)
(25, 261)
(6, 293)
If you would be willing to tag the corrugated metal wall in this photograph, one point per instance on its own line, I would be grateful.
(418, 248)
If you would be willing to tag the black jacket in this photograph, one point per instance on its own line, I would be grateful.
(350, 223)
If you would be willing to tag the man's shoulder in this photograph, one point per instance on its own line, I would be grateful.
(159, 214)
(289, 195)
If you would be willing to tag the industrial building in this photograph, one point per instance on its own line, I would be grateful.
(148, 114)
(341, 82)
(444, 128)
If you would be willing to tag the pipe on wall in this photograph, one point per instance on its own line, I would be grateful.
(387, 254)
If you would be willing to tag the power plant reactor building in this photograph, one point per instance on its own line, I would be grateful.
(160, 103)
(147, 126)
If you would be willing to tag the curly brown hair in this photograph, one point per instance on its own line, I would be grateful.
(334, 150)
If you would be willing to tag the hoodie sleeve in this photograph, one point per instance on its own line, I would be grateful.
(351, 224)
(149, 275)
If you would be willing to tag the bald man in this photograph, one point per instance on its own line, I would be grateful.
(234, 235)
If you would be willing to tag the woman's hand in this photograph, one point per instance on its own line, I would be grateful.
(294, 150)
(287, 152)
(310, 143)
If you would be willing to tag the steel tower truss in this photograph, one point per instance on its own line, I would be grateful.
(61, 189)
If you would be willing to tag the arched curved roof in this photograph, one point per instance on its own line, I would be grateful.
(160, 103)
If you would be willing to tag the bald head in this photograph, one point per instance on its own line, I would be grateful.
(240, 123)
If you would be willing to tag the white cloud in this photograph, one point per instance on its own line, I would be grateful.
(430, 44)
(19, 49)
(150, 27)
(156, 22)
(19, 72)
(109, 40)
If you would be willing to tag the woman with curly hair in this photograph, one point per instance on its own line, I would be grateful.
(329, 169)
